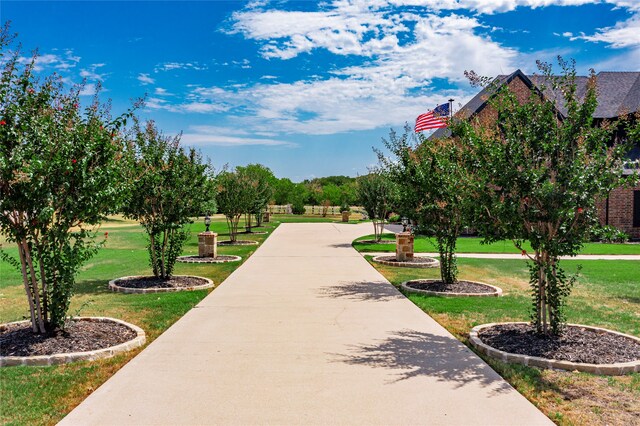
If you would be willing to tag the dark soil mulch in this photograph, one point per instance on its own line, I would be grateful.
(79, 336)
(153, 282)
(458, 287)
(576, 344)
(376, 242)
(198, 259)
(237, 243)
(420, 260)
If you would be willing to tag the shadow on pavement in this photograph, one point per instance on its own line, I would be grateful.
(424, 354)
(362, 290)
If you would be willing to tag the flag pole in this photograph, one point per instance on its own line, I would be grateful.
(450, 108)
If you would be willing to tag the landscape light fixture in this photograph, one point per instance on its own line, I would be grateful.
(207, 222)
(405, 222)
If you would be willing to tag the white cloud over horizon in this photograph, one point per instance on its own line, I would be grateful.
(227, 137)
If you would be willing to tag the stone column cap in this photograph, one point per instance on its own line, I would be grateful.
(215, 234)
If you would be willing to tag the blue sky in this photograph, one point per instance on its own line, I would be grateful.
(307, 88)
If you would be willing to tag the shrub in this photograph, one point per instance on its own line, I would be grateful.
(169, 186)
(298, 208)
(608, 234)
(375, 192)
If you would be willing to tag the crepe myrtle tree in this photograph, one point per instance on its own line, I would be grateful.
(169, 186)
(61, 172)
(375, 193)
(432, 183)
(538, 173)
(234, 197)
(262, 190)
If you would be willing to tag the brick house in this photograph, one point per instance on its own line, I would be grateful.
(618, 93)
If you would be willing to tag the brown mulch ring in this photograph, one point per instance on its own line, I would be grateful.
(416, 262)
(457, 287)
(576, 344)
(376, 242)
(176, 281)
(254, 232)
(18, 339)
(238, 243)
(221, 258)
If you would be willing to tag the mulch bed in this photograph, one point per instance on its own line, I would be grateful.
(238, 243)
(153, 282)
(376, 242)
(221, 258)
(457, 287)
(79, 336)
(576, 344)
(415, 260)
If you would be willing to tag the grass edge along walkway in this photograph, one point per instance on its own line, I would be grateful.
(473, 245)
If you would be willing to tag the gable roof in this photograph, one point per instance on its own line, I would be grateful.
(618, 93)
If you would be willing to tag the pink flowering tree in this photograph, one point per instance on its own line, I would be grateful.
(60, 174)
(538, 173)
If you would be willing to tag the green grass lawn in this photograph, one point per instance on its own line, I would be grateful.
(473, 245)
(43, 395)
(607, 294)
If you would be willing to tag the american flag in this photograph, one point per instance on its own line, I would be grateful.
(433, 119)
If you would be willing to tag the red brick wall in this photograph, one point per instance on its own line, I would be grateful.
(620, 210)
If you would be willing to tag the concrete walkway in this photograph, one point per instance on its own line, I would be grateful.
(306, 332)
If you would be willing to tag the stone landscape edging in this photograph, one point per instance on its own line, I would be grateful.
(496, 293)
(186, 259)
(66, 358)
(434, 264)
(615, 369)
(130, 290)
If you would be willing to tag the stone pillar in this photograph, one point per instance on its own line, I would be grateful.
(404, 246)
(345, 216)
(208, 244)
(266, 218)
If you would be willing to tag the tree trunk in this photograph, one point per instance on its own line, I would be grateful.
(376, 231)
(154, 255)
(163, 271)
(28, 289)
(448, 261)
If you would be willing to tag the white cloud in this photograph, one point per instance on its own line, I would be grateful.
(171, 66)
(398, 54)
(390, 87)
(623, 34)
(161, 91)
(91, 72)
(193, 104)
(501, 6)
(88, 90)
(62, 62)
(144, 79)
(223, 136)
